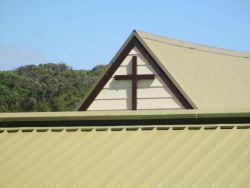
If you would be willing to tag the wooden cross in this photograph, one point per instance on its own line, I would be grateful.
(134, 77)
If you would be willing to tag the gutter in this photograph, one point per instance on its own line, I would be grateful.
(118, 118)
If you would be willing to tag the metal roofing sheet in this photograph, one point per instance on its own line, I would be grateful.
(211, 78)
(212, 156)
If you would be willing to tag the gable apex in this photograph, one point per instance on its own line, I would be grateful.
(133, 44)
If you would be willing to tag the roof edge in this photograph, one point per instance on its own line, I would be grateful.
(122, 117)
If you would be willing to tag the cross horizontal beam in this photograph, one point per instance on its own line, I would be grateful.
(134, 77)
(139, 77)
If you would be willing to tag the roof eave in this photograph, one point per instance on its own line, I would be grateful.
(140, 117)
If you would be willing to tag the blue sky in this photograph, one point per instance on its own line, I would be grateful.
(87, 33)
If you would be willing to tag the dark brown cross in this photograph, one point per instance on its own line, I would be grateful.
(134, 77)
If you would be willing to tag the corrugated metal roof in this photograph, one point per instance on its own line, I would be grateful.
(193, 46)
(183, 156)
(211, 78)
(214, 155)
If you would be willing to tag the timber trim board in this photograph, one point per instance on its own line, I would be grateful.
(134, 42)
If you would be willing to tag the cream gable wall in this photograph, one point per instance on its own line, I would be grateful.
(151, 94)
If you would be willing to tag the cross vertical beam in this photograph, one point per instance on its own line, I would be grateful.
(134, 83)
(134, 78)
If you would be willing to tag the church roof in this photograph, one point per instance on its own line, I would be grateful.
(207, 146)
(207, 77)
(212, 78)
(146, 148)
(125, 156)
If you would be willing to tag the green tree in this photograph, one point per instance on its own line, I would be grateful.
(46, 87)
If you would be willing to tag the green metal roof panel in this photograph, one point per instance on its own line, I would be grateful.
(186, 156)
(211, 78)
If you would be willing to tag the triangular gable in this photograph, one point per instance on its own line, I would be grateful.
(134, 81)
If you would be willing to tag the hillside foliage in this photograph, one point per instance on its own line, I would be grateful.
(46, 87)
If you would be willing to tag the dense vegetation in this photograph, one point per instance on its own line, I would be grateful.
(46, 87)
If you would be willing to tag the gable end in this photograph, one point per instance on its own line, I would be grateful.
(134, 42)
